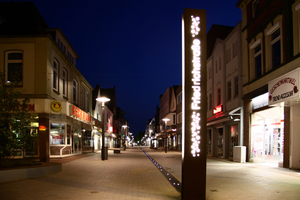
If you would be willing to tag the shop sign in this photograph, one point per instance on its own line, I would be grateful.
(260, 101)
(77, 112)
(56, 106)
(218, 109)
(284, 88)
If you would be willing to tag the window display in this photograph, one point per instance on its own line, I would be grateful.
(57, 133)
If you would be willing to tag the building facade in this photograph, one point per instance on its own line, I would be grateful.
(224, 94)
(270, 46)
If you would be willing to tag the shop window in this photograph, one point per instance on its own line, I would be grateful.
(55, 74)
(65, 82)
(14, 66)
(87, 139)
(57, 134)
(68, 134)
(75, 86)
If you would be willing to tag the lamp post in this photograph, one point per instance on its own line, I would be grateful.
(166, 143)
(102, 100)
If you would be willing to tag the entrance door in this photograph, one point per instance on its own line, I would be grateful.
(267, 135)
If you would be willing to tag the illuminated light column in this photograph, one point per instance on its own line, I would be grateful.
(103, 100)
(194, 104)
(166, 142)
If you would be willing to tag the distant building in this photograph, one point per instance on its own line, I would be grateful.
(224, 94)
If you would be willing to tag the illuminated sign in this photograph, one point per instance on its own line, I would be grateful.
(77, 112)
(56, 106)
(196, 89)
(284, 88)
(194, 104)
(218, 109)
(42, 128)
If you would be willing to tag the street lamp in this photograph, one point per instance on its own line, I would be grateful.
(166, 142)
(102, 100)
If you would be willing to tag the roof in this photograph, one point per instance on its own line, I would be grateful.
(216, 31)
(21, 18)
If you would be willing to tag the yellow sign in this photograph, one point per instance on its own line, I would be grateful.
(56, 106)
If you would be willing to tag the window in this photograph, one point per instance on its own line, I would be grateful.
(179, 98)
(174, 119)
(235, 48)
(179, 118)
(57, 133)
(275, 49)
(219, 96)
(65, 82)
(55, 75)
(210, 101)
(257, 61)
(14, 66)
(75, 86)
(229, 90)
(255, 8)
(83, 98)
(227, 55)
(236, 86)
(87, 102)
(220, 63)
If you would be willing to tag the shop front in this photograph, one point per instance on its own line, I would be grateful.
(223, 133)
(275, 123)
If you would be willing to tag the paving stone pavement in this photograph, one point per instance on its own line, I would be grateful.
(125, 176)
(227, 180)
(131, 176)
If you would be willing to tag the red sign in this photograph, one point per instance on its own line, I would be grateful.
(218, 109)
(77, 112)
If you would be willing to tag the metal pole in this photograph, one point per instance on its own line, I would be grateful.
(103, 134)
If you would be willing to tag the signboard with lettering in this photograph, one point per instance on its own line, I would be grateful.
(78, 113)
(218, 109)
(194, 104)
(284, 88)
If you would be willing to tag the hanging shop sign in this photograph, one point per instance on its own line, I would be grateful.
(194, 104)
(56, 106)
(284, 88)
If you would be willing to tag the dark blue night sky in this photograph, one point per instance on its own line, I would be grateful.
(134, 45)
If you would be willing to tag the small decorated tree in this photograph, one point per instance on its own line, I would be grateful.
(15, 136)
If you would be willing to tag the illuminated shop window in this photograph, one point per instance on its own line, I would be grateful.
(57, 133)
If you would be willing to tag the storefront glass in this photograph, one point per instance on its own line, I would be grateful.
(267, 135)
(233, 139)
(77, 140)
(33, 131)
(209, 142)
(220, 142)
(57, 133)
